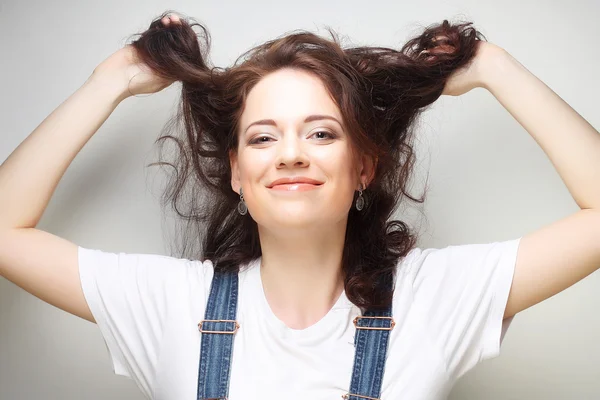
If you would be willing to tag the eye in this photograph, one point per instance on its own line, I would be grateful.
(328, 135)
(259, 140)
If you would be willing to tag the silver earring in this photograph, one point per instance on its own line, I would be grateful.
(242, 209)
(360, 201)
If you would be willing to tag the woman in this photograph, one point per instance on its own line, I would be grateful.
(302, 152)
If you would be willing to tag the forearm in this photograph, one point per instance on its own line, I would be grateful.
(29, 176)
(571, 143)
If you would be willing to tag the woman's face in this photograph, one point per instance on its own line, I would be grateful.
(291, 128)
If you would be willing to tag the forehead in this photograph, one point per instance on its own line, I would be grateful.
(288, 95)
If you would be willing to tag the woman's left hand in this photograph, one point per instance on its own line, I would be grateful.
(473, 75)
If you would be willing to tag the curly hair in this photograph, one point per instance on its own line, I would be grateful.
(379, 91)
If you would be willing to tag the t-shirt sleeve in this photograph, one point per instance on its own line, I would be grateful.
(130, 296)
(462, 292)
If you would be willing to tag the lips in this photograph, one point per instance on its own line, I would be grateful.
(294, 187)
(295, 181)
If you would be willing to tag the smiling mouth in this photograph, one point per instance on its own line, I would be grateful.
(294, 187)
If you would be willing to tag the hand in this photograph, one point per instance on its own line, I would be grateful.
(472, 75)
(132, 77)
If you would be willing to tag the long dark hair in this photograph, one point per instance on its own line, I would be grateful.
(379, 91)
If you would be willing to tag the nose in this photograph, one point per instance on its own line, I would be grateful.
(291, 152)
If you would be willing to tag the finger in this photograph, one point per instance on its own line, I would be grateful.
(175, 18)
(165, 21)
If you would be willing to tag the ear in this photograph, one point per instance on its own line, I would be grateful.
(367, 168)
(235, 171)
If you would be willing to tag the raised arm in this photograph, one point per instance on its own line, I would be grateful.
(560, 254)
(41, 263)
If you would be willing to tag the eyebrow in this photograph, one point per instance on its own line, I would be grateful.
(310, 118)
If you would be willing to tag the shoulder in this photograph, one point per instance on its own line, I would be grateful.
(458, 261)
(140, 267)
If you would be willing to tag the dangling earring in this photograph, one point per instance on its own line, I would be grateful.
(242, 209)
(360, 201)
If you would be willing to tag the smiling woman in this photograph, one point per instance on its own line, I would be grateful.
(290, 165)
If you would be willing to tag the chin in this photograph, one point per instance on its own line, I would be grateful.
(293, 220)
(296, 221)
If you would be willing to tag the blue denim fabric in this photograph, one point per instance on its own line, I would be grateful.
(216, 348)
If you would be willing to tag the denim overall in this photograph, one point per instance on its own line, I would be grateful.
(219, 327)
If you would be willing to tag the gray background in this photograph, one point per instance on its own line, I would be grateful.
(489, 179)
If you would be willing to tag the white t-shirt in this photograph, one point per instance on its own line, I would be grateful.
(448, 307)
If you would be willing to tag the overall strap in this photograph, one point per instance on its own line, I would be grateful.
(218, 330)
(371, 343)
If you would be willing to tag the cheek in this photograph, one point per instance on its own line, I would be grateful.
(338, 165)
(255, 164)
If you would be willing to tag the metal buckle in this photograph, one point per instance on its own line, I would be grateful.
(237, 326)
(375, 328)
(347, 395)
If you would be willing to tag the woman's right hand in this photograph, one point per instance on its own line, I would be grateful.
(132, 76)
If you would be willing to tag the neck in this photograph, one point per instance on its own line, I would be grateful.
(301, 272)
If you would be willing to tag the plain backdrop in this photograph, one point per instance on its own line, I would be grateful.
(489, 180)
